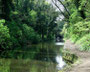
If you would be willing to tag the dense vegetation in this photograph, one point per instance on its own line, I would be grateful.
(25, 22)
(77, 26)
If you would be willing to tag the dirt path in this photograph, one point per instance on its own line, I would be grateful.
(84, 65)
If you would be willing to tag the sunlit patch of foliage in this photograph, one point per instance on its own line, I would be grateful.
(84, 43)
(78, 27)
(4, 36)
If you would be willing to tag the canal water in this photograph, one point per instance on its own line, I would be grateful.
(43, 57)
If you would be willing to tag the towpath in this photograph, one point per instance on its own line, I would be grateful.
(84, 65)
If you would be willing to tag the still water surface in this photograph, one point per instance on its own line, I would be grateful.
(44, 57)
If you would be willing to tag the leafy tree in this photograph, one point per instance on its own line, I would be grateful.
(29, 21)
(7, 6)
(78, 26)
(30, 34)
(40, 15)
(4, 36)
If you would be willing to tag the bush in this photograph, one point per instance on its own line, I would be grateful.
(79, 30)
(74, 38)
(79, 33)
(30, 34)
(22, 34)
(4, 36)
(84, 43)
(16, 34)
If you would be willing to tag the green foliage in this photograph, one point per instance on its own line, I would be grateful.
(84, 43)
(33, 16)
(4, 31)
(16, 34)
(27, 22)
(30, 34)
(4, 35)
(79, 30)
(78, 27)
(4, 65)
(37, 14)
(75, 17)
(22, 34)
(82, 28)
(64, 31)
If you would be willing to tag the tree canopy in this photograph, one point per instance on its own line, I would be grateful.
(28, 21)
(33, 21)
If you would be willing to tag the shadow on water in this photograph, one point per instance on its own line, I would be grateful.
(44, 57)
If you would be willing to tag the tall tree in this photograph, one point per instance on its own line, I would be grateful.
(7, 7)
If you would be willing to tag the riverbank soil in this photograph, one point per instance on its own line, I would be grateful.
(84, 64)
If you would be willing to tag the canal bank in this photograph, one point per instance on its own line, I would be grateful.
(83, 64)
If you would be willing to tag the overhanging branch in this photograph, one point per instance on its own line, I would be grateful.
(59, 9)
(64, 7)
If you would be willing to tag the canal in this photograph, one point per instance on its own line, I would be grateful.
(43, 57)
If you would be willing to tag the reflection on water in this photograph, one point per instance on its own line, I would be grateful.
(32, 66)
(60, 62)
(44, 57)
(59, 43)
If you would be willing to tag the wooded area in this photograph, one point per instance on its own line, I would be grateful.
(77, 17)
(29, 29)
(30, 21)
(25, 22)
